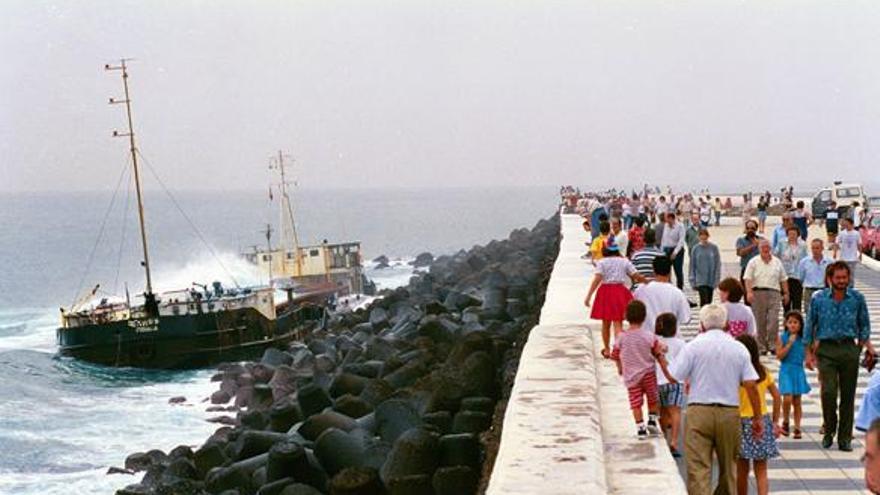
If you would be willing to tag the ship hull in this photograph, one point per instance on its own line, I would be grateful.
(180, 341)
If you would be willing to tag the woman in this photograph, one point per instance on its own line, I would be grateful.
(612, 279)
(763, 204)
(705, 267)
(791, 252)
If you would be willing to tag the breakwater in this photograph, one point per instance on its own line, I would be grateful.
(400, 398)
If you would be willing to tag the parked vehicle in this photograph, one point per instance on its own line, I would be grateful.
(842, 194)
(870, 232)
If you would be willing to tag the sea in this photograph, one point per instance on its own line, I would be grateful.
(63, 423)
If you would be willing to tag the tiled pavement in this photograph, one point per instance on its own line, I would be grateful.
(804, 467)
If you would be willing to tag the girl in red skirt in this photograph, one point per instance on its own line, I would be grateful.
(612, 279)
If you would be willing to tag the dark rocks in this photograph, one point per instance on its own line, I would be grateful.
(393, 399)
(357, 481)
(276, 357)
(177, 400)
(394, 417)
(312, 427)
(414, 453)
(455, 480)
(423, 260)
(352, 406)
(312, 400)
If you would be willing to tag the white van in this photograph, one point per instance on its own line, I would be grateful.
(842, 194)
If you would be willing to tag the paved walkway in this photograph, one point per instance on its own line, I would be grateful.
(804, 466)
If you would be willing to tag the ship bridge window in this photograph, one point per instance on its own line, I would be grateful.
(267, 257)
(314, 252)
(290, 256)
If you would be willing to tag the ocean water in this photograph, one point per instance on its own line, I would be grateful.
(63, 422)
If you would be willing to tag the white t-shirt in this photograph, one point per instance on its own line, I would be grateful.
(849, 240)
(674, 345)
(663, 297)
(615, 269)
(740, 319)
(716, 364)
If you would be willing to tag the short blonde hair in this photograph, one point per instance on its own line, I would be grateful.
(713, 316)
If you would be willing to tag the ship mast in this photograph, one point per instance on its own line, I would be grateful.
(288, 223)
(148, 294)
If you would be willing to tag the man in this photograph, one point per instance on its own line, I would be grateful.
(848, 247)
(692, 232)
(871, 459)
(831, 223)
(766, 290)
(672, 243)
(836, 329)
(747, 248)
(620, 236)
(660, 296)
(717, 209)
(659, 227)
(643, 259)
(811, 271)
(716, 366)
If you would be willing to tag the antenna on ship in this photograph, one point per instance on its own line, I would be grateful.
(150, 299)
(288, 224)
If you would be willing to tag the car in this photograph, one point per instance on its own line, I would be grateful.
(872, 205)
(844, 195)
(870, 233)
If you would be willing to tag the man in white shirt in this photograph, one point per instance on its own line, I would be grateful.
(766, 290)
(660, 296)
(849, 247)
(672, 243)
(716, 366)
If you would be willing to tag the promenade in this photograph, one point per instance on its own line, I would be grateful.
(568, 429)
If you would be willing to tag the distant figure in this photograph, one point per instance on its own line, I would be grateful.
(832, 216)
(716, 366)
(636, 236)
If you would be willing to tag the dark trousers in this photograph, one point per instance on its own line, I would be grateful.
(795, 295)
(838, 370)
(742, 281)
(705, 292)
(677, 265)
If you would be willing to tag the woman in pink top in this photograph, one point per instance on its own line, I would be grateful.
(612, 279)
(740, 319)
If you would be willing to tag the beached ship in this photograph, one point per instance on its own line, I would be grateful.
(187, 328)
(310, 272)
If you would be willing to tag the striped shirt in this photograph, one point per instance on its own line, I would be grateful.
(644, 261)
(635, 348)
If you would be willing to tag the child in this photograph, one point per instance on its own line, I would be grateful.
(612, 278)
(740, 318)
(671, 392)
(756, 451)
(635, 352)
(792, 377)
(598, 242)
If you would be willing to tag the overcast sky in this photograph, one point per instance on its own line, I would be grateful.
(416, 93)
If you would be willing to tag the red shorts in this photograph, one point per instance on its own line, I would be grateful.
(647, 386)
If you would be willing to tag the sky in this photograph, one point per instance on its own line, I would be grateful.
(442, 93)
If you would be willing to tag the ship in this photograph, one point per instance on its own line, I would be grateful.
(188, 328)
(311, 273)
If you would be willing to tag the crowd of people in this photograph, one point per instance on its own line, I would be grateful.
(639, 242)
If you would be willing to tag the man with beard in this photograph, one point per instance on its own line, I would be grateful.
(836, 330)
